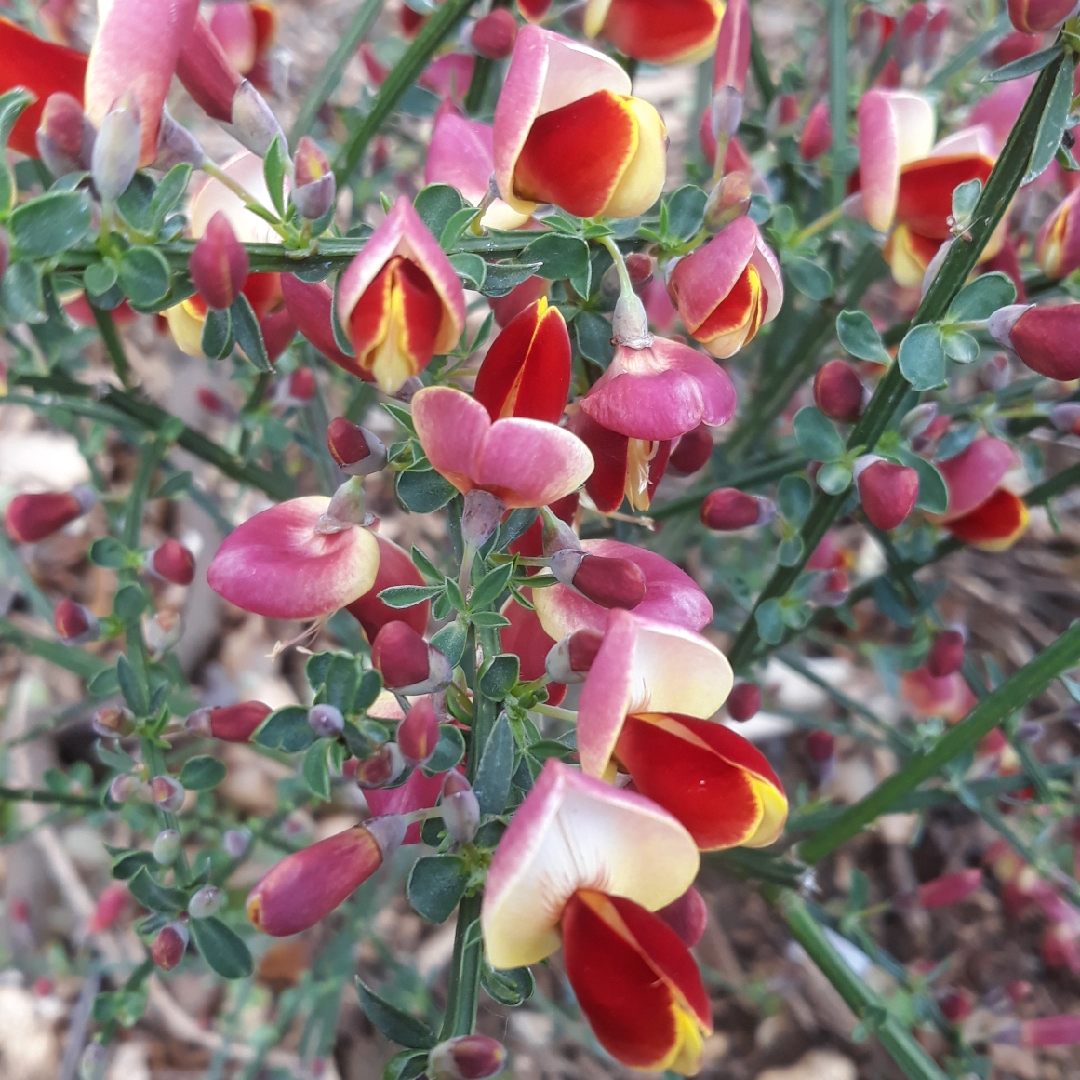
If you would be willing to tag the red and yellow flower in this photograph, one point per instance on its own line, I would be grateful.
(657, 31)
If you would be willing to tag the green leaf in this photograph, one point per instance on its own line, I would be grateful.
(99, 278)
(817, 435)
(129, 603)
(134, 203)
(593, 335)
(396, 1024)
(406, 1065)
(933, 494)
(1026, 65)
(315, 771)
(810, 279)
(130, 863)
(275, 169)
(512, 988)
(685, 212)
(50, 224)
(135, 692)
(561, 257)
(406, 596)
(437, 204)
(503, 277)
(342, 677)
(922, 359)
(104, 683)
(516, 525)
(449, 751)
(959, 346)
(470, 268)
(794, 496)
(456, 226)
(965, 198)
(154, 896)
(424, 492)
(202, 773)
(144, 276)
(247, 334)
(176, 486)
(488, 620)
(109, 552)
(1052, 123)
(341, 338)
(217, 334)
(367, 692)
(979, 299)
(12, 106)
(22, 293)
(769, 618)
(169, 193)
(222, 948)
(286, 729)
(492, 784)
(858, 337)
(499, 675)
(491, 587)
(834, 477)
(790, 552)
(436, 885)
(450, 641)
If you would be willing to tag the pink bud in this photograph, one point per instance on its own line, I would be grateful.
(493, 35)
(358, 451)
(315, 188)
(949, 888)
(569, 660)
(326, 721)
(418, 733)
(219, 264)
(692, 451)
(205, 902)
(167, 793)
(110, 905)
(162, 631)
(236, 842)
(955, 1005)
(728, 510)
(307, 885)
(214, 403)
(230, 723)
(728, 200)
(611, 583)
(1047, 339)
(817, 132)
(888, 491)
(74, 623)
(34, 517)
(65, 137)
(820, 746)
(467, 1057)
(1066, 417)
(381, 769)
(298, 387)
(169, 946)
(744, 701)
(460, 808)
(125, 787)
(173, 562)
(407, 663)
(946, 655)
(113, 721)
(1050, 1031)
(687, 916)
(839, 392)
(830, 589)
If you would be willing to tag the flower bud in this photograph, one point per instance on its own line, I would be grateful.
(124, 788)
(236, 842)
(831, 588)
(418, 733)
(93, 1064)
(820, 746)
(569, 660)
(948, 889)
(167, 792)
(296, 389)
(65, 137)
(729, 199)
(1066, 417)
(888, 492)
(630, 322)
(728, 510)
(955, 1004)
(839, 392)
(493, 35)
(177, 146)
(307, 885)
(1047, 339)
(74, 623)
(348, 507)
(744, 701)
(460, 808)
(611, 583)
(816, 135)
(326, 721)
(115, 156)
(691, 452)
(407, 663)
(480, 516)
(172, 562)
(162, 631)
(687, 916)
(169, 945)
(381, 768)
(219, 264)
(315, 188)
(467, 1057)
(166, 847)
(110, 905)
(214, 403)
(996, 373)
(205, 902)
(34, 517)
(231, 723)
(358, 451)
(946, 655)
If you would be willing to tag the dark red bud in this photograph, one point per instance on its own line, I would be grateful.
(888, 491)
(946, 655)
(949, 888)
(640, 268)
(315, 188)
(955, 1005)
(569, 660)
(380, 769)
(467, 1057)
(460, 808)
(820, 746)
(169, 946)
(300, 385)
(358, 451)
(219, 264)
(74, 623)
(728, 510)
(230, 723)
(214, 403)
(692, 451)
(173, 562)
(418, 733)
(839, 392)
(493, 35)
(744, 701)
(687, 916)
(611, 583)
(65, 137)
(400, 655)
(831, 589)
(34, 517)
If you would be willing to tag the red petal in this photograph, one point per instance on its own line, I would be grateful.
(609, 450)
(575, 156)
(527, 640)
(395, 568)
(926, 187)
(660, 30)
(741, 307)
(995, 525)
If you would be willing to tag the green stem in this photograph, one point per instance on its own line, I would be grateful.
(752, 476)
(474, 100)
(760, 67)
(1013, 694)
(1001, 186)
(78, 661)
(865, 1003)
(320, 90)
(403, 75)
(838, 90)
(55, 798)
(113, 345)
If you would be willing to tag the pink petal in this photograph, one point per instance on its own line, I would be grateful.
(574, 832)
(879, 159)
(276, 565)
(974, 474)
(417, 793)
(234, 27)
(768, 267)
(460, 154)
(671, 596)
(975, 139)
(452, 428)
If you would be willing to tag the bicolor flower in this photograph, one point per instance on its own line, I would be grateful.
(520, 461)
(671, 595)
(567, 131)
(395, 568)
(1035, 16)
(400, 301)
(727, 289)
(526, 371)
(1057, 245)
(1045, 338)
(310, 305)
(294, 561)
(668, 32)
(981, 511)
(584, 865)
(948, 697)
